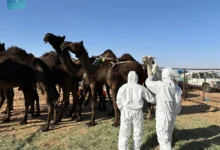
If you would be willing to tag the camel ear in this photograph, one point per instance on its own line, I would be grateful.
(81, 42)
(64, 37)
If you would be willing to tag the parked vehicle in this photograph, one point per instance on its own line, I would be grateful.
(205, 80)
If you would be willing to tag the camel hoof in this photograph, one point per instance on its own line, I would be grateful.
(79, 118)
(149, 117)
(73, 117)
(52, 126)
(37, 115)
(104, 109)
(44, 128)
(115, 124)
(6, 119)
(86, 103)
(111, 114)
(91, 123)
(23, 122)
(55, 123)
(69, 115)
(4, 112)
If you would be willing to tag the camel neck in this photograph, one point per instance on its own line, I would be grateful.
(86, 64)
(70, 65)
(149, 70)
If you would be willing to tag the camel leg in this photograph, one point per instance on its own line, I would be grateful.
(28, 99)
(88, 99)
(149, 115)
(93, 105)
(102, 106)
(108, 92)
(55, 107)
(45, 127)
(66, 92)
(79, 115)
(117, 113)
(38, 107)
(100, 100)
(9, 104)
(12, 95)
(73, 110)
(2, 100)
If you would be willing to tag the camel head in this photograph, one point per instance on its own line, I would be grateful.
(2, 47)
(54, 40)
(75, 47)
(148, 60)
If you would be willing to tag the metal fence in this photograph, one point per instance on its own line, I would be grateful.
(199, 83)
(191, 90)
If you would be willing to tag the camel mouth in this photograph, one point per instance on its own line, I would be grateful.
(45, 42)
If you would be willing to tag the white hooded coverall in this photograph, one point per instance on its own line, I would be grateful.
(168, 106)
(130, 102)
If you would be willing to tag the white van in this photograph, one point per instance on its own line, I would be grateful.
(202, 79)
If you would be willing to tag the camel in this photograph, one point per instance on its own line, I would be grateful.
(62, 76)
(152, 68)
(110, 56)
(5, 91)
(114, 75)
(76, 73)
(29, 71)
(10, 92)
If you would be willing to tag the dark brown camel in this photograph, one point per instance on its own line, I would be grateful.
(5, 92)
(25, 71)
(62, 76)
(10, 92)
(114, 75)
(75, 71)
(110, 56)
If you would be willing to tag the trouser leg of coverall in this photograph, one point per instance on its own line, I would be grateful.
(164, 129)
(137, 121)
(124, 133)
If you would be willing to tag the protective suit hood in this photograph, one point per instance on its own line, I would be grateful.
(168, 74)
(132, 77)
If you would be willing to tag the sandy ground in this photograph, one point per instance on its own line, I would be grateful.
(193, 107)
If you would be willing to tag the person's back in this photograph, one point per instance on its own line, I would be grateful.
(130, 101)
(168, 106)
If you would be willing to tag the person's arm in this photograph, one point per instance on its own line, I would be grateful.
(148, 96)
(119, 98)
(153, 86)
(178, 101)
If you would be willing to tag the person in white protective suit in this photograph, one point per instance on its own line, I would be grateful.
(168, 106)
(130, 102)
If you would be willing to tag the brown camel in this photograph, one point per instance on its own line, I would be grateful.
(29, 71)
(76, 72)
(114, 75)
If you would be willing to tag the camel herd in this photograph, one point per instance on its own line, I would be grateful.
(24, 70)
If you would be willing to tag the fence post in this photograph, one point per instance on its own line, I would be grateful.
(184, 85)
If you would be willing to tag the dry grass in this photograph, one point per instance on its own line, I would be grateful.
(197, 127)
